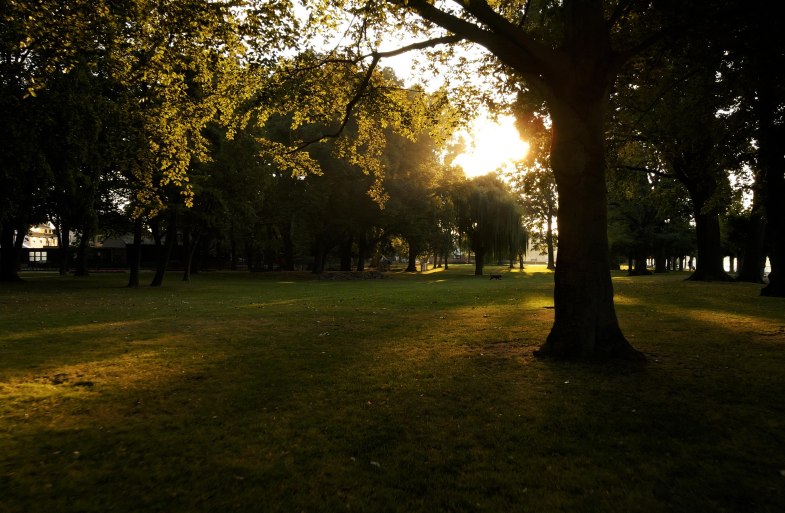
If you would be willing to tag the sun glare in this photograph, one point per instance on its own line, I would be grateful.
(490, 144)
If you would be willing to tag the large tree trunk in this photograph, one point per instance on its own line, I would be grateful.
(639, 268)
(585, 324)
(775, 235)
(411, 267)
(81, 255)
(710, 259)
(549, 241)
(753, 259)
(320, 256)
(9, 257)
(346, 254)
(363, 248)
(64, 240)
(479, 261)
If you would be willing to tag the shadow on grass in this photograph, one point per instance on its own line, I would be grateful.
(393, 396)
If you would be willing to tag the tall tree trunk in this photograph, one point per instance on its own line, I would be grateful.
(660, 262)
(135, 255)
(64, 240)
(363, 248)
(585, 324)
(81, 255)
(639, 268)
(165, 253)
(8, 254)
(710, 260)
(320, 256)
(189, 250)
(479, 261)
(770, 135)
(411, 266)
(288, 246)
(753, 260)
(346, 254)
(233, 254)
(775, 234)
(549, 241)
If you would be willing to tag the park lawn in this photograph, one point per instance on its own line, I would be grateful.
(415, 393)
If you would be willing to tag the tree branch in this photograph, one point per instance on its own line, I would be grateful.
(349, 107)
(366, 81)
(513, 46)
(647, 170)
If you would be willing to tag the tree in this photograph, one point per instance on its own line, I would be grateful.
(490, 218)
(38, 39)
(689, 138)
(412, 169)
(757, 59)
(570, 52)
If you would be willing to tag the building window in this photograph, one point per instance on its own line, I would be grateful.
(38, 256)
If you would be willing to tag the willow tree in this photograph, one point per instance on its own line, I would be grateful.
(490, 219)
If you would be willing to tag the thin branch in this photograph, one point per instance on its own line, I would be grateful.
(648, 170)
(349, 108)
(421, 45)
(525, 14)
(366, 81)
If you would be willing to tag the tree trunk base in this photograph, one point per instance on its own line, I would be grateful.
(606, 349)
(710, 276)
(775, 288)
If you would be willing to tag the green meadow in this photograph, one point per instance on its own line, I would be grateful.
(415, 393)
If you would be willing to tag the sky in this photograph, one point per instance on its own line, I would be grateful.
(490, 144)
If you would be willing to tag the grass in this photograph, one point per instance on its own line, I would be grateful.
(278, 392)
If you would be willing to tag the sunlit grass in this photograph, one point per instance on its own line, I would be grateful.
(278, 392)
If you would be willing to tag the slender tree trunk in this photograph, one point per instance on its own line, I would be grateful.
(233, 254)
(288, 246)
(189, 251)
(585, 324)
(135, 256)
